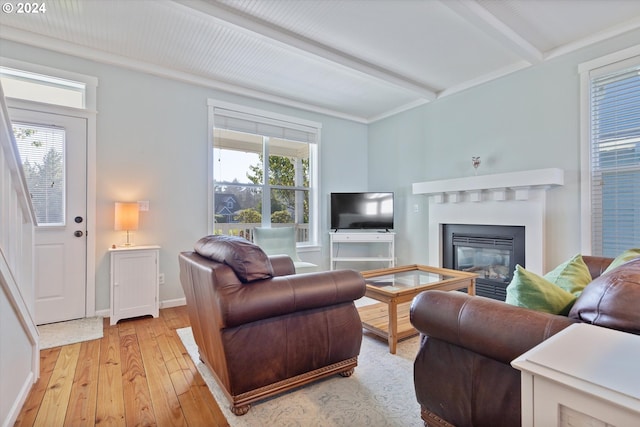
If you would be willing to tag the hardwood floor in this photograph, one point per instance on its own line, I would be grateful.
(138, 374)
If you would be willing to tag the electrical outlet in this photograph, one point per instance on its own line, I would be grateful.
(143, 205)
(161, 278)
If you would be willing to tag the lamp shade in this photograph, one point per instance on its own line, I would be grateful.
(126, 216)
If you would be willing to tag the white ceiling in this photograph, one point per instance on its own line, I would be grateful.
(358, 59)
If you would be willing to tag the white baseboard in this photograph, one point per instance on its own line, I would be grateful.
(173, 302)
(21, 398)
(163, 304)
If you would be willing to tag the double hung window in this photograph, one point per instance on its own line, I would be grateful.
(614, 156)
(264, 170)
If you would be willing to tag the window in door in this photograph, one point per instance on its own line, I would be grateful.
(42, 152)
(614, 157)
(264, 173)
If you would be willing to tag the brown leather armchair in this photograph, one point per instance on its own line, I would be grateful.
(462, 373)
(260, 328)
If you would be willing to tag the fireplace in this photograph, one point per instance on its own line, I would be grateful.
(511, 199)
(491, 251)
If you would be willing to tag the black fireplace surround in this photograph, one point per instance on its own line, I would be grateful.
(491, 251)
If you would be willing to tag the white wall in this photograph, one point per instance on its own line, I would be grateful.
(152, 145)
(527, 120)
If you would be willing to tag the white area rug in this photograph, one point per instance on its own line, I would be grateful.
(380, 393)
(71, 332)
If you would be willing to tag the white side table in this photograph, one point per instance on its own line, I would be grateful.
(134, 282)
(584, 375)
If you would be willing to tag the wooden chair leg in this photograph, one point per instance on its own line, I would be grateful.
(347, 373)
(240, 410)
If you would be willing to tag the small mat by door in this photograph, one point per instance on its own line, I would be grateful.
(70, 332)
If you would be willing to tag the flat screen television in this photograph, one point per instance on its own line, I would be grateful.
(364, 210)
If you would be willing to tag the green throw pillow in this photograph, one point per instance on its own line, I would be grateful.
(572, 275)
(625, 256)
(529, 290)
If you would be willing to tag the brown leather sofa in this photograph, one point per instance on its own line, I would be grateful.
(462, 373)
(262, 330)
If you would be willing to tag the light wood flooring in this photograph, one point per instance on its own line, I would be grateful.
(138, 374)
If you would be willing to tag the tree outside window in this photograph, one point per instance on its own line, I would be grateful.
(42, 154)
(244, 199)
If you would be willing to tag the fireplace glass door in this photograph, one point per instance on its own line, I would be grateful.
(487, 263)
(490, 251)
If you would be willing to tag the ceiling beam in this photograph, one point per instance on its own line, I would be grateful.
(598, 37)
(481, 18)
(305, 46)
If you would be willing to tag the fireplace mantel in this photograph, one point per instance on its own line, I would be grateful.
(498, 186)
(516, 198)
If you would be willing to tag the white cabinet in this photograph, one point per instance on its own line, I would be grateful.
(584, 375)
(134, 282)
(362, 247)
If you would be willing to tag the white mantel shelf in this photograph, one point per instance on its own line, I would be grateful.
(497, 184)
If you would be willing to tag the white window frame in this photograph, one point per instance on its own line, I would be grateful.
(314, 185)
(49, 75)
(606, 64)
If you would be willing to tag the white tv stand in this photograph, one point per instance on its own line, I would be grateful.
(339, 238)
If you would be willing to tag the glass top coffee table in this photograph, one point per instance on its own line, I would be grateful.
(395, 288)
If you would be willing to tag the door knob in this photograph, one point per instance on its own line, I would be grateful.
(78, 233)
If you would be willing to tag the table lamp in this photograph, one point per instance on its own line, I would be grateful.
(126, 218)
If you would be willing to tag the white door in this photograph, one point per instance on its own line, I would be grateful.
(53, 148)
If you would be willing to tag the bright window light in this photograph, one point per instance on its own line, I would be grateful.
(41, 88)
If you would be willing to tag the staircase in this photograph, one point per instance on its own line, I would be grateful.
(19, 350)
